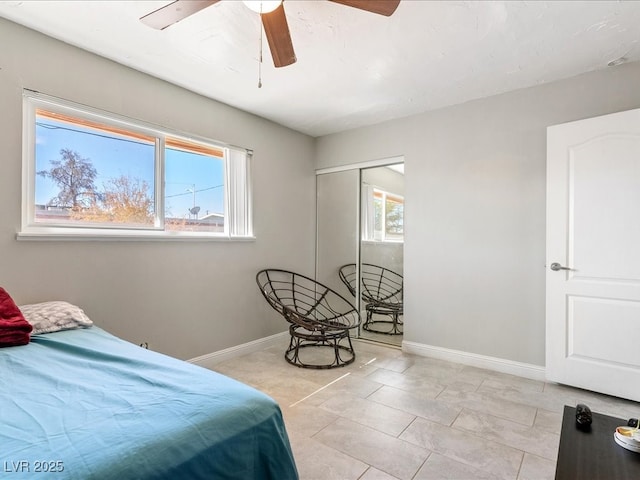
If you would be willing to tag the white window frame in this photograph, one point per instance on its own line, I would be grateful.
(238, 216)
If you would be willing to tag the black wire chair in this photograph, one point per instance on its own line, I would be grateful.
(319, 317)
(382, 292)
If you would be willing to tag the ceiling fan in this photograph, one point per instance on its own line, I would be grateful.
(274, 20)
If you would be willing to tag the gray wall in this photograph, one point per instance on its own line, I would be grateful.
(185, 298)
(475, 208)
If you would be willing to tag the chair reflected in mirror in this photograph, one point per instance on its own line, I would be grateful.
(318, 316)
(382, 294)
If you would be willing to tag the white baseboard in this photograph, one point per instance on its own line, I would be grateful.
(210, 359)
(526, 370)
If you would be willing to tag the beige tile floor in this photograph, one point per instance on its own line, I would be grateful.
(391, 415)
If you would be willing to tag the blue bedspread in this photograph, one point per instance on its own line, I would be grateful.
(83, 404)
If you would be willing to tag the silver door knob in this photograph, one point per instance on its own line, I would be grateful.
(555, 266)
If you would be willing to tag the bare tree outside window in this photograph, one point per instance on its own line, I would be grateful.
(75, 176)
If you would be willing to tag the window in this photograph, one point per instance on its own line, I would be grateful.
(389, 213)
(383, 219)
(91, 173)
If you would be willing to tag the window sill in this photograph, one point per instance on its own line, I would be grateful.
(122, 236)
(385, 242)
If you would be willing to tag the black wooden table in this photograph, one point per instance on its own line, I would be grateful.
(594, 454)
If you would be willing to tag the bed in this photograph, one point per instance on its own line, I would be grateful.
(84, 404)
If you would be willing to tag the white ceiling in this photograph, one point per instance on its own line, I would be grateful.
(354, 68)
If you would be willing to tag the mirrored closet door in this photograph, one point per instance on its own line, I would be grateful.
(382, 253)
(360, 238)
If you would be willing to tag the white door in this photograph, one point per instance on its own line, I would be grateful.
(593, 254)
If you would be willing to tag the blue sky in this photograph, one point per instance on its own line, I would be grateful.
(113, 156)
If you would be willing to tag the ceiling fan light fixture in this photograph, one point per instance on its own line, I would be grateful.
(262, 6)
(273, 19)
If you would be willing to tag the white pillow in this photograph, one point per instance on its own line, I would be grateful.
(50, 317)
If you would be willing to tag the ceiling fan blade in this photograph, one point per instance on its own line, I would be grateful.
(174, 12)
(276, 29)
(381, 7)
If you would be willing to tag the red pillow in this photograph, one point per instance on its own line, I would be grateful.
(14, 329)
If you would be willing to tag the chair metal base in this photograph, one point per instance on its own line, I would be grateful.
(302, 338)
(395, 324)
